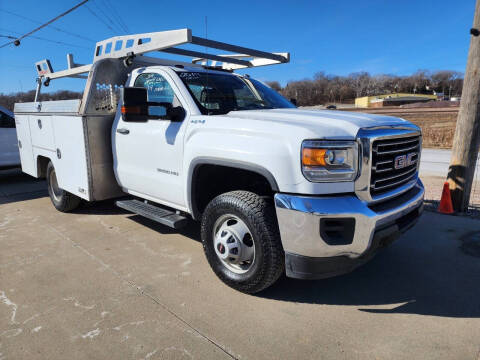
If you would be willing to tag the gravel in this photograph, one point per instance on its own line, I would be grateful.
(433, 193)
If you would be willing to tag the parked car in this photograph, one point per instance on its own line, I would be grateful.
(331, 107)
(9, 155)
(277, 189)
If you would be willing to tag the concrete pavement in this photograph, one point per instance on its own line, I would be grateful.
(101, 283)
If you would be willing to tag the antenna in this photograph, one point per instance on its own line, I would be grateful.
(206, 37)
(206, 60)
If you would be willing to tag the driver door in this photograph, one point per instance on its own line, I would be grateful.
(148, 155)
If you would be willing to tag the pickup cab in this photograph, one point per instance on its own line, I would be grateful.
(278, 190)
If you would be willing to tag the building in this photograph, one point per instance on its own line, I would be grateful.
(392, 99)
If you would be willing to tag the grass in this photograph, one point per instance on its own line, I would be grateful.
(438, 127)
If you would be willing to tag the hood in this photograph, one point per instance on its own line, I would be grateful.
(325, 123)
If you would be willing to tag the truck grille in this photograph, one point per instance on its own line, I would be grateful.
(394, 163)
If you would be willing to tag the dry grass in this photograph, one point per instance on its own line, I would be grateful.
(438, 126)
(438, 138)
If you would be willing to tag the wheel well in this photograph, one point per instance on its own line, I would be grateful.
(42, 163)
(209, 181)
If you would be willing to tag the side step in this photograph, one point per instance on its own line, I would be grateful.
(155, 213)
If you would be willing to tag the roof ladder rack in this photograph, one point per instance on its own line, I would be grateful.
(128, 46)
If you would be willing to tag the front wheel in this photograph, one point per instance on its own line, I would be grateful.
(241, 240)
(61, 199)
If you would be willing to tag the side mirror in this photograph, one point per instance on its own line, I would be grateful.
(135, 103)
(293, 101)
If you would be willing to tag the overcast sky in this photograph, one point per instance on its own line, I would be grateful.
(337, 37)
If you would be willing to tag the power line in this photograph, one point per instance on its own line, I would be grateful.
(53, 27)
(109, 13)
(113, 13)
(43, 39)
(17, 41)
(100, 19)
(120, 18)
(107, 16)
(117, 15)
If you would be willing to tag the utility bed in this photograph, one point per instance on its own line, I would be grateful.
(57, 131)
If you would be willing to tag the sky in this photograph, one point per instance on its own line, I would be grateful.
(337, 37)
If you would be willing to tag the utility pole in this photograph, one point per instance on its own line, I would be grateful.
(466, 141)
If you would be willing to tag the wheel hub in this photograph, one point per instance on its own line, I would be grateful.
(228, 247)
(56, 191)
(233, 243)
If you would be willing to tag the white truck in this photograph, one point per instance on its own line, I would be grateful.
(277, 190)
(9, 155)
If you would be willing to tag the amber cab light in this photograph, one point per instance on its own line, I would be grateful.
(132, 110)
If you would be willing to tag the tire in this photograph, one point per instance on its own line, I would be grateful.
(61, 199)
(258, 215)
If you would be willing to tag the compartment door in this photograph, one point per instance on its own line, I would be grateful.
(42, 132)
(70, 157)
(25, 144)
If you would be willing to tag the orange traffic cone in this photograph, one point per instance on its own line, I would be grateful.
(446, 206)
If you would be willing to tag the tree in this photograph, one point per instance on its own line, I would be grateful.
(275, 85)
(8, 100)
(322, 88)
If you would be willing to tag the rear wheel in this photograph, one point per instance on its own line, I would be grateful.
(241, 241)
(61, 199)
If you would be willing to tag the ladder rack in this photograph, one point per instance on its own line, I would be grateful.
(129, 46)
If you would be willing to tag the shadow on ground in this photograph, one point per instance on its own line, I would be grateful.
(108, 207)
(192, 230)
(425, 272)
(416, 275)
(403, 279)
(17, 186)
(105, 207)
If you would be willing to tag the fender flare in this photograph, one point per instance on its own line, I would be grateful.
(235, 164)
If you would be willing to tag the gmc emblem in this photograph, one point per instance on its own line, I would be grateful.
(402, 161)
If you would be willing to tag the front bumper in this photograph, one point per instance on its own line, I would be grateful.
(309, 256)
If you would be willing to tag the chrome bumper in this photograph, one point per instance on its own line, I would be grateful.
(299, 220)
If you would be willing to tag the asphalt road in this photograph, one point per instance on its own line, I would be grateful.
(101, 283)
(436, 161)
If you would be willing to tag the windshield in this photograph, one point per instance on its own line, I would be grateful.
(219, 94)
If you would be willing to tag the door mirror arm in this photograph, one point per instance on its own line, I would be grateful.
(173, 113)
(176, 113)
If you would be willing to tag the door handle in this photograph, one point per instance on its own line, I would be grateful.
(123, 131)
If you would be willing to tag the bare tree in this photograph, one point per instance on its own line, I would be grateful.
(8, 100)
(275, 85)
(322, 88)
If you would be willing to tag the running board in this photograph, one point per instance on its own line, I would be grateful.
(155, 213)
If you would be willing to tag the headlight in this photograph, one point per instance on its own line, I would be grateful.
(328, 161)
